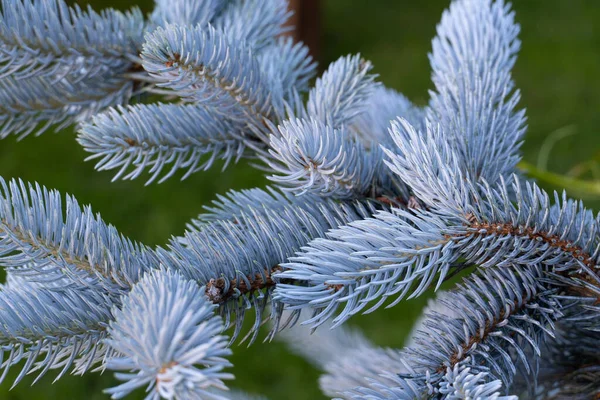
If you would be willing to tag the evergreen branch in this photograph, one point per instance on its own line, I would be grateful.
(342, 92)
(152, 137)
(505, 317)
(311, 157)
(255, 22)
(386, 387)
(79, 294)
(224, 108)
(427, 163)
(202, 64)
(39, 103)
(163, 330)
(234, 204)
(51, 328)
(384, 106)
(407, 249)
(236, 258)
(460, 383)
(564, 232)
(473, 54)
(371, 259)
(503, 313)
(61, 65)
(185, 12)
(39, 243)
(47, 38)
(562, 236)
(291, 63)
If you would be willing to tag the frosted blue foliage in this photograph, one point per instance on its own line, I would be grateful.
(204, 65)
(503, 313)
(290, 64)
(255, 22)
(346, 356)
(342, 92)
(264, 236)
(376, 200)
(403, 253)
(429, 165)
(61, 64)
(434, 305)
(233, 204)
(185, 12)
(160, 139)
(168, 340)
(51, 328)
(49, 38)
(311, 216)
(311, 157)
(562, 236)
(474, 98)
(40, 242)
(239, 89)
(37, 103)
(459, 384)
(505, 317)
(384, 106)
(395, 254)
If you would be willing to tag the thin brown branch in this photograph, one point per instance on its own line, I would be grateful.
(216, 288)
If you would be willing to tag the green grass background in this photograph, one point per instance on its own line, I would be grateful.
(557, 72)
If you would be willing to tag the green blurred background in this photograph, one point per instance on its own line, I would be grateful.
(557, 72)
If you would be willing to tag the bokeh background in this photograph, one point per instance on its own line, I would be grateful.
(557, 72)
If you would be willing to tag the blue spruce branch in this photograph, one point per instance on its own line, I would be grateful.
(50, 39)
(267, 230)
(52, 328)
(61, 64)
(473, 54)
(376, 200)
(185, 12)
(41, 243)
(155, 137)
(204, 65)
(255, 22)
(162, 349)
